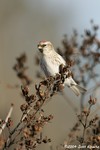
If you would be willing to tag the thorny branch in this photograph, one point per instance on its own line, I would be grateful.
(87, 130)
(33, 120)
(85, 68)
(85, 57)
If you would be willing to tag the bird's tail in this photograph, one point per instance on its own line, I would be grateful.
(77, 89)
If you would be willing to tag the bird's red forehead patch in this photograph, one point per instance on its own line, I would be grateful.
(43, 41)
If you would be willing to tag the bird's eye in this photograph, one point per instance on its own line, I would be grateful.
(44, 45)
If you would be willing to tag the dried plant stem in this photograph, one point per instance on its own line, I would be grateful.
(11, 142)
(6, 120)
(85, 126)
(84, 130)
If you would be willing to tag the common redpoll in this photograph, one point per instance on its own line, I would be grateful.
(50, 62)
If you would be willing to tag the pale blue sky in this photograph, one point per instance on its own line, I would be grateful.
(68, 14)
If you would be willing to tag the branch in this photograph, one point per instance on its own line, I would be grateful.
(6, 120)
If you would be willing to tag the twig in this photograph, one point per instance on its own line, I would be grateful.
(6, 120)
(85, 126)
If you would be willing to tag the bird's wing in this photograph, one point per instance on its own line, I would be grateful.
(60, 60)
(44, 68)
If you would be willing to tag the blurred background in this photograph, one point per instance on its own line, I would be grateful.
(23, 23)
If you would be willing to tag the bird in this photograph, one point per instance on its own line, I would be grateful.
(50, 61)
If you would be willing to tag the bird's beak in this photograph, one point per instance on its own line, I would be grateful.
(40, 48)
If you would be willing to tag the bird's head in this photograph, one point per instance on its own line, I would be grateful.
(45, 47)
